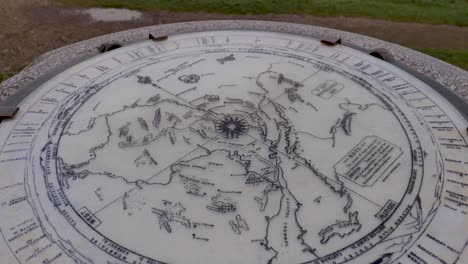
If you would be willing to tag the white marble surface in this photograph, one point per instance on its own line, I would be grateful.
(233, 147)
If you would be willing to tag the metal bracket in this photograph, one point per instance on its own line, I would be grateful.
(7, 112)
(158, 38)
(331, 41)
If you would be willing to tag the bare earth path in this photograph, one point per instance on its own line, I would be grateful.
(29, 28)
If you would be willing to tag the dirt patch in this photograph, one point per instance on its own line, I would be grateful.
(30, 28)
(407, 34)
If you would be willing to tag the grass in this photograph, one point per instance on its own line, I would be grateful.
(6, 75)
(456, 57)
(454, 12)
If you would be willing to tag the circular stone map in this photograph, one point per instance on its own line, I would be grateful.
(234, 147)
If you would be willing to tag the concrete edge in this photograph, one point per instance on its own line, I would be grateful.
(449, 76)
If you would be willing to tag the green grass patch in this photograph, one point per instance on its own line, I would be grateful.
(7, 75)
(453, 12)
(456, 57)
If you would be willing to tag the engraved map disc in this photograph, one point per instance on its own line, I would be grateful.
(234, 147)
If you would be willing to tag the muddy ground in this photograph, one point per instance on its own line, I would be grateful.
(29, 28)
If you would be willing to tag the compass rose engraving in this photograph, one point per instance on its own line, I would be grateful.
(232, 126)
